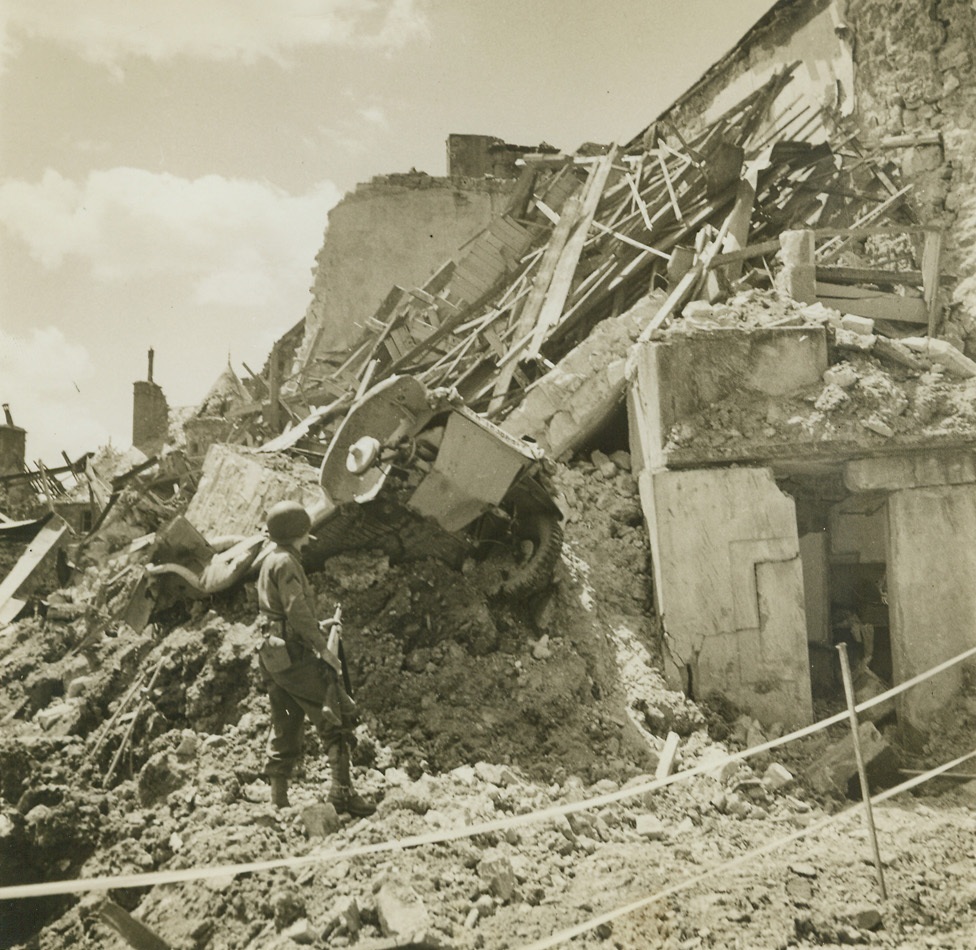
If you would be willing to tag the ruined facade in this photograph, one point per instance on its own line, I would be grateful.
(393, 229)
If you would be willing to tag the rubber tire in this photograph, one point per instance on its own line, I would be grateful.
(545, 530)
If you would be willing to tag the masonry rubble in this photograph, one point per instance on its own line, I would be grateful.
(738, 298)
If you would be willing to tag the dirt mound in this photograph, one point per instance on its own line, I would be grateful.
(133, 753)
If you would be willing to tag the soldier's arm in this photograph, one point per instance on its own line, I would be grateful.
(300, 617)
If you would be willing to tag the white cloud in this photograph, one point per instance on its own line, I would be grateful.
(43, 379)
(109, 31)
(242, 243)
(374, 115)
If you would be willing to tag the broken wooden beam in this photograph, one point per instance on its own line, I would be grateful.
(133, 931)
(46, 540)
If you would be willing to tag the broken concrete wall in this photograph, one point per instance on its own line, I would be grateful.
(677, 378)
(236, 490)
(931, 566)
(570, 403)
(393, 230)
(729, 587)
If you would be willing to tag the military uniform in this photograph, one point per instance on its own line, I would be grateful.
(310, 686)
(299, 670)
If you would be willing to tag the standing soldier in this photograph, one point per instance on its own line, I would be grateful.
(300, 665)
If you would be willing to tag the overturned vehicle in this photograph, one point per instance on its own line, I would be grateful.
(416, 473)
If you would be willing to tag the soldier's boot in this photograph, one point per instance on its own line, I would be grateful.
(342, 796)
(279, 791)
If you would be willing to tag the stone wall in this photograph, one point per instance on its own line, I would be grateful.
(915, 76)
(394, 230)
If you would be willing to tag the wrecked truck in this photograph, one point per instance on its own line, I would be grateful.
(415, 472)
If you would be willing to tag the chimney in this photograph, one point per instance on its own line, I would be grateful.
(150, 414)
(13, 445)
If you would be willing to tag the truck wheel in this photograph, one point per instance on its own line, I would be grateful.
(539, 541)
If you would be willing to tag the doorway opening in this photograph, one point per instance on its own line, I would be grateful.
(843, 549)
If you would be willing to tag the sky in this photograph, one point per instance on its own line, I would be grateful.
(167, 168)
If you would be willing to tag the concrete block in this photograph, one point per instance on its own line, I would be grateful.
(796, 247)
(301, 932)
(849, 340)
(878, 426)
(837, 767)
(798, 282)
(944, 353)
(777, 776)
(856, 324)
(236, 489)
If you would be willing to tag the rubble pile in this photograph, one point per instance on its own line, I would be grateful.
(128, 752)
(877, 389)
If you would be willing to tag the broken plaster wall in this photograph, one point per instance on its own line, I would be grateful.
(729, 588)
(396, 229)
(931, 523)
(810, 32)
(728, 577)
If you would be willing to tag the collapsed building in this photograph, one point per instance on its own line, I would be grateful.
(774, 286)
(751, 321)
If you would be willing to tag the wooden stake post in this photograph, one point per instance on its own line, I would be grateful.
(845, 668)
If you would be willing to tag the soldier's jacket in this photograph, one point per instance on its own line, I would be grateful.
(287, 603)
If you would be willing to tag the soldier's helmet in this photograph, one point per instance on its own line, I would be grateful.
(287, 521)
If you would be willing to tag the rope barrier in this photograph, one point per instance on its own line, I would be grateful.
(594, 922)
(150, 878)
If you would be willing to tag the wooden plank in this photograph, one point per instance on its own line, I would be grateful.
(464, 289)
(44, 542)
(529, 315)
(439, 279)
(631, 241)
(741, 217)
(515, 237)
(931, 265)
(868, 275)
(832, 251)
(874, 304)
(562, 277)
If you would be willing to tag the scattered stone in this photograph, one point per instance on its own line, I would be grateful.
(400, 910)
(79, 686)
(804, 870)
(832, 397)
(495, 868)
(288, 907)
(301, 932)
(777, 776)
(541, 649)
(320, 820)
(879, 426)
(58, 718)
(841, 374)
(622, 459)
(867, 918)
(188, 746)
(650, 827)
